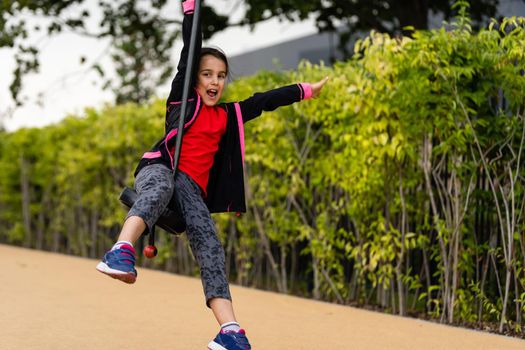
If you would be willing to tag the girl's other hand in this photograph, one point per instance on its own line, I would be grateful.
(317, 87)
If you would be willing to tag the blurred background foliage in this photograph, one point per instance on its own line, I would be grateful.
(142, 31)
(401, 189)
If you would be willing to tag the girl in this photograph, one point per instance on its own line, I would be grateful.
(209, 177)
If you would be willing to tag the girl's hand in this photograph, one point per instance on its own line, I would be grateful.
(317, 87)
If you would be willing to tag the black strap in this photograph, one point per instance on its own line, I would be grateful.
(186, 87)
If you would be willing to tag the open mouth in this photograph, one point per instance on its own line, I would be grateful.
(212, 93)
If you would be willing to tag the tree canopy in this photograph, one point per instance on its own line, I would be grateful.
(142, 31)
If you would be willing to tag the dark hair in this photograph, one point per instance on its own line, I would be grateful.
(217, 53)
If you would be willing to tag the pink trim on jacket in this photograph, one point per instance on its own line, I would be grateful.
(175, 131)
(179, 102)
(240, 123)
(151, 155)
(307, 88)
(169, 136)
(188, 6)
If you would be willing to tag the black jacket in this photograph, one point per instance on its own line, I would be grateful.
(226, 182)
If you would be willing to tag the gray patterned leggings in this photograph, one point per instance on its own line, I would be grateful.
(155, 185)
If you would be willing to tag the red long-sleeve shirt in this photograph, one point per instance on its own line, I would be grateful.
(200, 143)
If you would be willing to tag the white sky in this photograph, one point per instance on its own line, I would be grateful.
(63, 86)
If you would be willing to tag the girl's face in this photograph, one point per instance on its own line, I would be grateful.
(211, 79)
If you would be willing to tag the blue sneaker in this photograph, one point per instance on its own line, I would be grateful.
(120, 264)
(230, 341)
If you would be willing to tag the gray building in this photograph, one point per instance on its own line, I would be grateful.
(314, 48)
(322, 47)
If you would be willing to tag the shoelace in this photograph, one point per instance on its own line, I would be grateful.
(124, 255)
(241, 339)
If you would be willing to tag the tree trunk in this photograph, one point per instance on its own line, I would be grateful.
(229, 246)
(26, 200)
(93, 227)
(284, 275)
(400, 258)
(42, 220)
(293, 266)
(426, 165)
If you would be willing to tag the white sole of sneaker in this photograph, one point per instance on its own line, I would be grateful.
(125, 277)
(214, 346)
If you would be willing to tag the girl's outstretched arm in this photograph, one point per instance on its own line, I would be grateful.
(177, 83)
(283, 96)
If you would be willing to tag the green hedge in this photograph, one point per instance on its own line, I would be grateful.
(401, 188)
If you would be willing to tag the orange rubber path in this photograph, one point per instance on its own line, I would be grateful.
(52, 301)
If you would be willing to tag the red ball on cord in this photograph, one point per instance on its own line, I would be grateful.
(150, 251)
